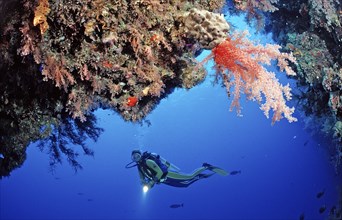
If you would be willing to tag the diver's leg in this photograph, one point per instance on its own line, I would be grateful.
(185, 182)
(184, 176)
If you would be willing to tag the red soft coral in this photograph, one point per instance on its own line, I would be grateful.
(240, 64)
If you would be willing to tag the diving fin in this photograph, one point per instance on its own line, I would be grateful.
(217, 170)
(220, 171)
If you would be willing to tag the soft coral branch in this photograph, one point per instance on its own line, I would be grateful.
(240, 64)
(55, 70)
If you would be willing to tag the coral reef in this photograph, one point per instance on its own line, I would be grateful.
(324, 14)
(312, 31)
(122, 55)
(101, 56)
(98, 53)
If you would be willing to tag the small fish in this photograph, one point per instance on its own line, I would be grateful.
(322, 209)
(306, 142)
(90, 200)
(302, 216)
(174, 206)
(320, 194)
(80, 193)
(235, 172)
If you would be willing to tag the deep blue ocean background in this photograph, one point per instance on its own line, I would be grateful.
(283, 166)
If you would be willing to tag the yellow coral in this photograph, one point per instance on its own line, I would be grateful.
(146, 90)
(40, 16)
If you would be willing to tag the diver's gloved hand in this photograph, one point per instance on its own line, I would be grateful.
(155, 179)
(149, 183)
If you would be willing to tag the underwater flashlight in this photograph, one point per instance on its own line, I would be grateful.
(145, 188)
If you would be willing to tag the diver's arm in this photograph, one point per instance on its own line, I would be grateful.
(154, 166)
(145, 181)
(150, 184)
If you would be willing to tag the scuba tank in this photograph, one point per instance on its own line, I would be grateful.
(168, 164)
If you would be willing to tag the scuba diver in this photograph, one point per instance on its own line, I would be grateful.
(153, 169)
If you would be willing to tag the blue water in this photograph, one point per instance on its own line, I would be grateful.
(280, 178)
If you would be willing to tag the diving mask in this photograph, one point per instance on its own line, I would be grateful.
(136, 156)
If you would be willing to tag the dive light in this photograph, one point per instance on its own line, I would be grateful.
(145, 188)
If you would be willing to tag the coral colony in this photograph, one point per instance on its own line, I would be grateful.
(126, 54)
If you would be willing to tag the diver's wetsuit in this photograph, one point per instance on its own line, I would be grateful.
(185, 180)
(152, 170)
